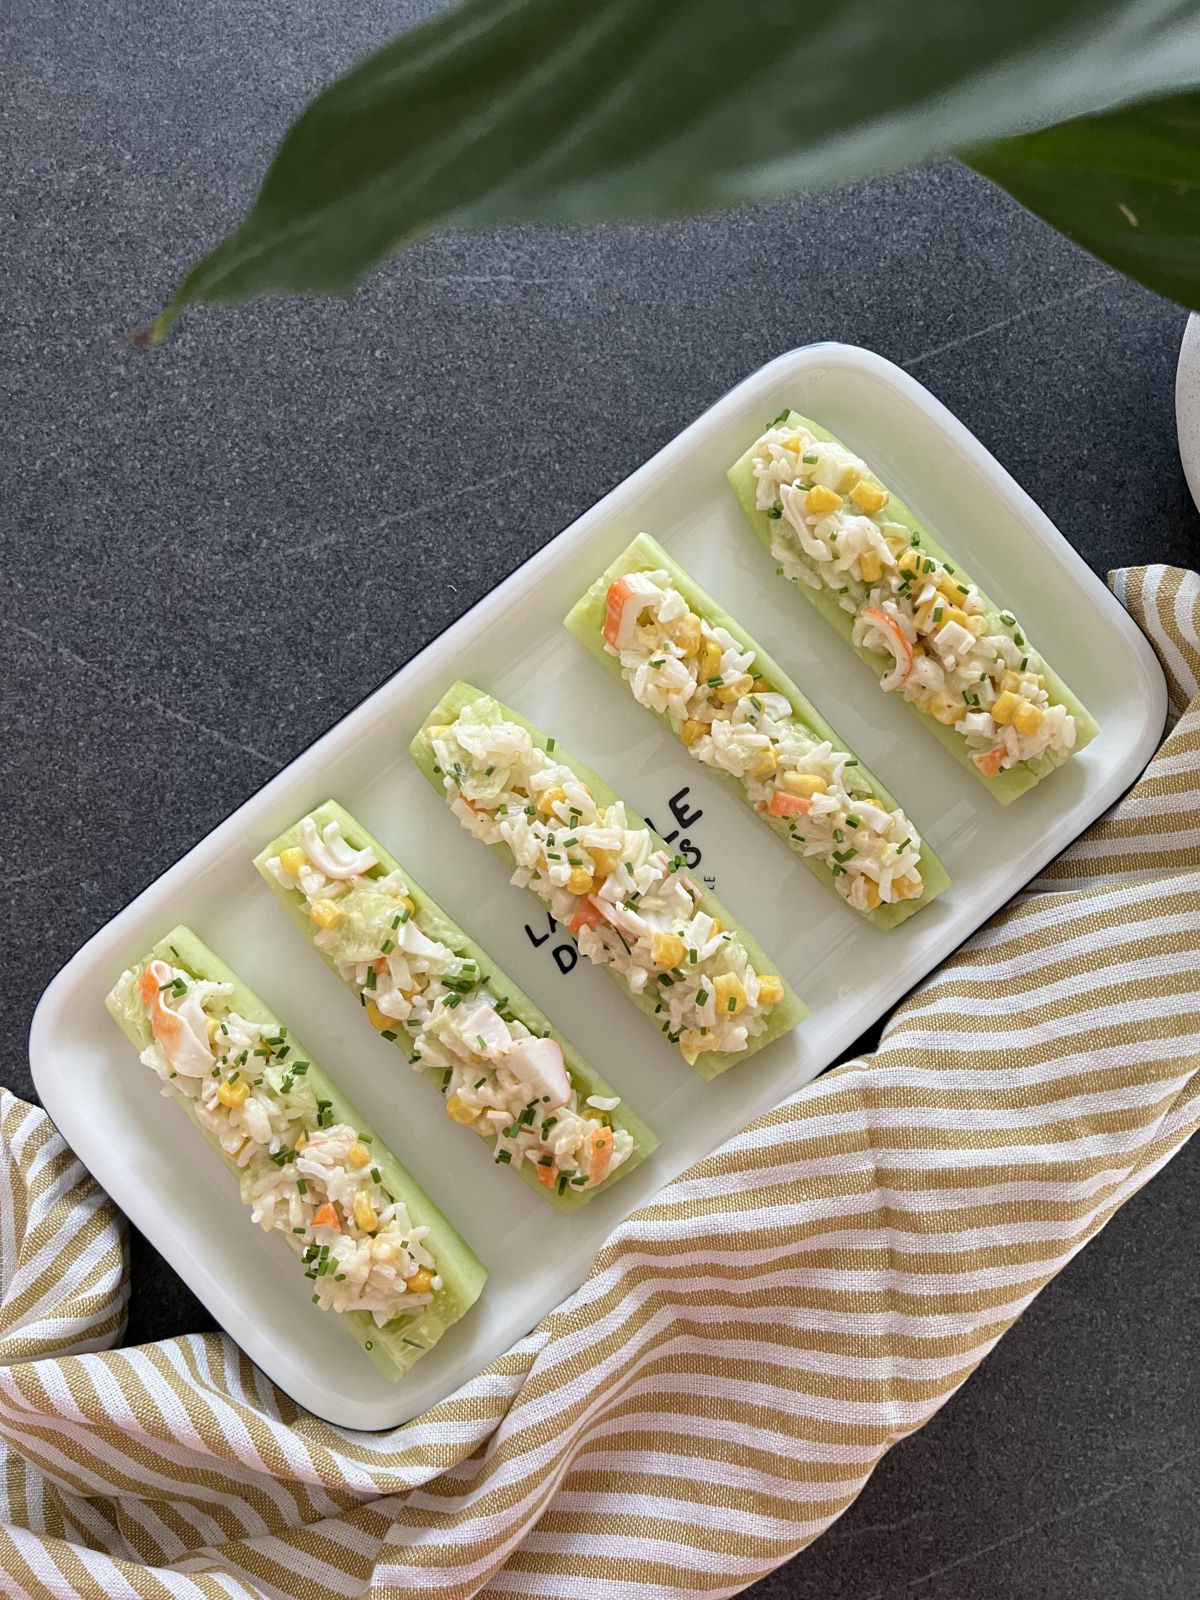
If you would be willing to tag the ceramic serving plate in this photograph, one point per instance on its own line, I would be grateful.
(166, 1178)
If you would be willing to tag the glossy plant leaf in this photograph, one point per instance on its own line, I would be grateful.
(562, 111)
(1125, 185)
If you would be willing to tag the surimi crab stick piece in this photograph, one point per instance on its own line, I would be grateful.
(602, 872)
(503, 1070)
(894, 642)
(690, 664)
(376, 1251)
(934, 639)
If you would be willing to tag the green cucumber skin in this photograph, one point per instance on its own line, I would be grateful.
(435, 922)
(1007, 786)
(586, 622)
(463, 1274)
(785, 1016)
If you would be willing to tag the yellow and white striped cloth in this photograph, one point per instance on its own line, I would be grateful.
(693, 1416)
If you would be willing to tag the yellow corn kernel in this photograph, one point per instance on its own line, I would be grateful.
(770, 989)
(549, 798)
(949, 585)
(691, 730)
(710, 659)
(421, 1281)
(729, 995)
(326, 913)
(869, 497)
(730, 693)
(359, 1156)
(379, 1019)
(580, 881)
(977, 624)
(871, 890)
(685, 632)
(765, 762)
(947, 708)
(213, 1028)
(1004, 706)
(1027, 718)
(666, 950)
(604, 862)
(805, 783)
(907, 888)
(761, 686)
(364, 1212)
(292, 860)
(820, 500)
(955, 614)
(1034, 678)
(717, 927)
(911, 563)
(438, 731)
(458, 1111)
(1010, 681)
(233, 1094)
(870, 567)
(420, 980)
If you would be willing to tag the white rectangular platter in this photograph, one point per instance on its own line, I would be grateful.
(164, 1176)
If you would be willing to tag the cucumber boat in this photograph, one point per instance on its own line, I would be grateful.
(600, 871)
(962, 664)
(504, 1071)
(690, 664)
(379, 1254)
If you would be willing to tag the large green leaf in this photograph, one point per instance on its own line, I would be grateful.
(559, 110)
(1125, 185)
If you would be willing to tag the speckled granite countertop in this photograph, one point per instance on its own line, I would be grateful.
(157, 509)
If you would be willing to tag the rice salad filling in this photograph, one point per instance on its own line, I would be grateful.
(304, 1177)
(496, 1076)
(957, 661)
(629, 903)
(697, 675)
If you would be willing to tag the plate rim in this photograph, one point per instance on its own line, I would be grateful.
(229, 1313)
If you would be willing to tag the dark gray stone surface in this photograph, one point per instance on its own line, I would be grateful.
(156, 511)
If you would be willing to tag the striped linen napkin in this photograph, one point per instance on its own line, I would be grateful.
(696, 1414)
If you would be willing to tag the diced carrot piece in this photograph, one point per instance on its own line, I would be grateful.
(587, 915)
(789, 805)
(545, 1176)
(326, 1217)
(988, 761)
